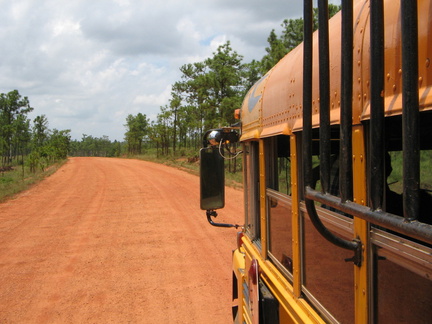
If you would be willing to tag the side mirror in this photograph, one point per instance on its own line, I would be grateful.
(212, 172)
(212, 179)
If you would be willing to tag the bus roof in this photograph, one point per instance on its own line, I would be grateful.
(273, 106)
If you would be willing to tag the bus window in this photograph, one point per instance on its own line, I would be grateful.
(395, 185)
(280, 231)
(403, 287)
(393, 194)
(251, 189)
(327, 279)
(425, 187)
(279, 203)
(278, 167)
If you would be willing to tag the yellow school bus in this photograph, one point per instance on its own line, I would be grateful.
(336, 145)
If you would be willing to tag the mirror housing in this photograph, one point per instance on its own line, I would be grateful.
(212, 179)
(212, 171)
(215, 137)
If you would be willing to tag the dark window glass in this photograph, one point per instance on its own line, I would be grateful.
(252, 189)
(402, 296)
(279, 210)
(280, 231)
(327, 277)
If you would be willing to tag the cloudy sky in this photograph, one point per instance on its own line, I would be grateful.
(87, 64)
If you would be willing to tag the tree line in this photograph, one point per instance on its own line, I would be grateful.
(95, 146)
(20, 137)
(208, 93)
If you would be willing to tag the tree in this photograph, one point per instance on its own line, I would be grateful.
(137, 127)
(21, 138)
(292, 36)
(13, 111)
(175, 105)
(194, 91)
(161, 130)
(58, 144)
(251, 73)
(95, 146)
(40, 130)
(225, 79)
(275, 52)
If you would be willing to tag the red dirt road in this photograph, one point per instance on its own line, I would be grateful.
(115, 241)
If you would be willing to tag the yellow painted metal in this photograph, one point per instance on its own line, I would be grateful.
(251, 110)
(281, 129)
(253, 134)
(393, 59)
(263, 200)
(292, 309)
(238, 266)
(360, 60)
(297, 281)
(361, 227)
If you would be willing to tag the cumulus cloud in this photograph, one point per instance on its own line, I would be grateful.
(86, 65)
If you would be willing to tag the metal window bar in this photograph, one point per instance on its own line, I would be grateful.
(410, 110)
(310, 194)
(345, 147)
(307, 91)
(324, 90)
(376, 135)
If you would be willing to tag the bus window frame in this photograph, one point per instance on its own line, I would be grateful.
(272, 149)
(403, 252)
(408, 254)
(251, 190)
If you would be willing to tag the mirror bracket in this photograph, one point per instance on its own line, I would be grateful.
(212, 213)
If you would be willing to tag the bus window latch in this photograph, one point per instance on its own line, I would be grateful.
(357, 257)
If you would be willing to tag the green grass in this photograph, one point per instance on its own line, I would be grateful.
(20, 179)
(395, 178)
(182, 161)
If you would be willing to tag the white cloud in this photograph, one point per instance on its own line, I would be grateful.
(159, 99)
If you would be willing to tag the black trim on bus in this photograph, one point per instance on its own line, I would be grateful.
(376, 138)
(414, 229)
(324, 93)
(268, 305)
(234, 296)
(345, 148)
(410, 111)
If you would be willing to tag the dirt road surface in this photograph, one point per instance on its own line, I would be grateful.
(115, 241)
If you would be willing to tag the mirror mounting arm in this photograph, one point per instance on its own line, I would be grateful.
(212, 213)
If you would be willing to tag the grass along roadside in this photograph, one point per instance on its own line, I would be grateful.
(20, 178)
(190, 163)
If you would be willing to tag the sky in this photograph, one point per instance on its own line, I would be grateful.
(87, 64)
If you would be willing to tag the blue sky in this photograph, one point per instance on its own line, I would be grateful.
(86, 64)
